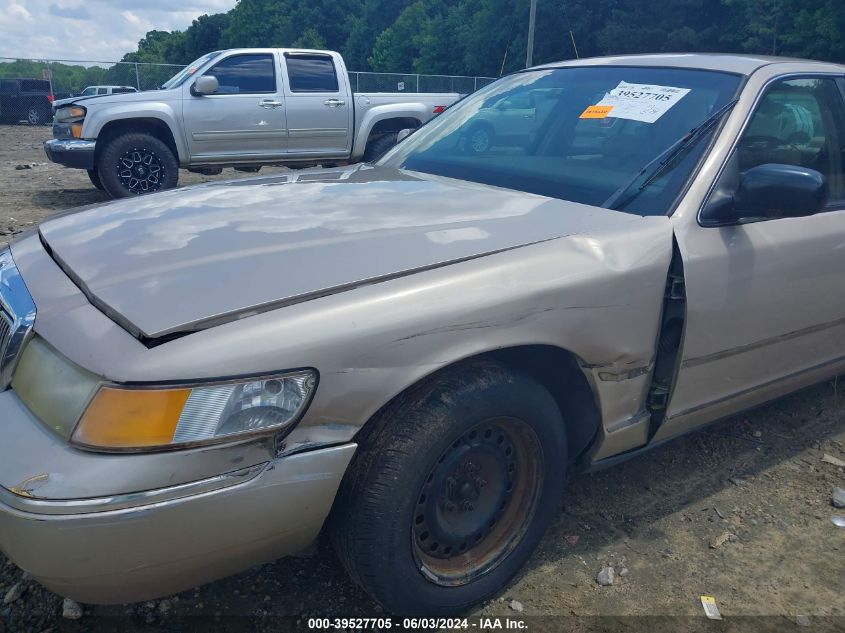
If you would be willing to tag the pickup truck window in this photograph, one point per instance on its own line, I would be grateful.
(248, 74)
(551, 132)
(35, 85)
(311, 73)
(799, 122)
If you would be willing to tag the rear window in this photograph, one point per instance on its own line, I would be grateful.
(122, 90)
(35, 85)
(311, 73)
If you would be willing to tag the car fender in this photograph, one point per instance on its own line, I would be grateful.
(371, 116)
(98, 117)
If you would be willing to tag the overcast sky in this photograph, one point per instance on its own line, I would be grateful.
(91, 29)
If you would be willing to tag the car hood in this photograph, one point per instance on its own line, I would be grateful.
(120, 97)
(187, 259)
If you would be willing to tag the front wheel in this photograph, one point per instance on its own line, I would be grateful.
(94, 177)
(452, 490)
(135, 164)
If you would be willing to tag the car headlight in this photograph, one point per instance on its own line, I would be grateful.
(97, 415)
(142, 418)
(70, 113)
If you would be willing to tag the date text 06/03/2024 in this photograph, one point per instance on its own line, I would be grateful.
(386, 623)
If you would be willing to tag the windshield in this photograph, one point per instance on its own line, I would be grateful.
(189, 70)
(576, 134)
(88, 92)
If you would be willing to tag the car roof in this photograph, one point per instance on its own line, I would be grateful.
(726, 62)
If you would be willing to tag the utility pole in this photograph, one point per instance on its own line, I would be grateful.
(531, 18)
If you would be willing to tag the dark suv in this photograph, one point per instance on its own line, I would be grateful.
(26, 99)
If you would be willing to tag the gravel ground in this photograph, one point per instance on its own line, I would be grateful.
(740, 511)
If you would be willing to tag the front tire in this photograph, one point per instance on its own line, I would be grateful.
(137, 164)
(94, 177)
(452, 490)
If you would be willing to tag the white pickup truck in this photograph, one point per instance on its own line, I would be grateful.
(240, 108)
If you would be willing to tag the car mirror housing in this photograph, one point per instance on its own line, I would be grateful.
(205, 85)
(768, 192)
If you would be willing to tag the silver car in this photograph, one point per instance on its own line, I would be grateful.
(412, 355)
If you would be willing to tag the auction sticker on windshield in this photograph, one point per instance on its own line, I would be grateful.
(641, 102)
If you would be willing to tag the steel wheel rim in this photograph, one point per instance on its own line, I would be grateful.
(140, 170)
(477, 502)
(479, 140)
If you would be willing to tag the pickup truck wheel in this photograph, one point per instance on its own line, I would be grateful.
(135, 164)
(376, 148)
(94, 177)
(452, 490)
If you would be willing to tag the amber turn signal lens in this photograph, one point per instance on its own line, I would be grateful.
(131, 418)
(76, 130)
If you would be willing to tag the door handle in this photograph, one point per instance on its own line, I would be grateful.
(269, 103)
(334, 103)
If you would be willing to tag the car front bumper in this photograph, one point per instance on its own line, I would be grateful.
(76, 153)
(152, 543)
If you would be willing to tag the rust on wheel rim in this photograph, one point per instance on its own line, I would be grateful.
(477, 501)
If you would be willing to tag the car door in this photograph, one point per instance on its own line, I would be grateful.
(514, 119)
(245, 118)
(320, 113)
(765, 306)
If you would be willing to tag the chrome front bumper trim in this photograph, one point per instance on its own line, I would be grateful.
(70, 145)
(19, 499)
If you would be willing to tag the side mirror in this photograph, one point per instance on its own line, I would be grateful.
(205, 85)
(403, 134)
(768, 192)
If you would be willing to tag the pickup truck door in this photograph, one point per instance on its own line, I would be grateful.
(765, 301)
(245, 118)
(319, 106)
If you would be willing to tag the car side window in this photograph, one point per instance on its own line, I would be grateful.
(245, 74)
(311, 73)
(799, 122)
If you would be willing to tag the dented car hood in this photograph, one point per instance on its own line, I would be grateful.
(188, 259)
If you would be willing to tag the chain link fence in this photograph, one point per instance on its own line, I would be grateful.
(398, 82)
(69, 78)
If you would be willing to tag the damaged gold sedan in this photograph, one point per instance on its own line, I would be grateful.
(411, 355)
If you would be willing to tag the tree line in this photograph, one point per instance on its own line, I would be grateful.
(489, 37)
(482, 37)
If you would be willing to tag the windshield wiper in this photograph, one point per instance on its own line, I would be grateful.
(664, 161)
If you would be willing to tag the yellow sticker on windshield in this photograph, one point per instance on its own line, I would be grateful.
(596, 112)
